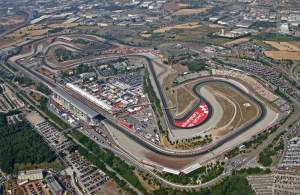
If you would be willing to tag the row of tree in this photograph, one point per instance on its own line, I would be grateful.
(19, 144)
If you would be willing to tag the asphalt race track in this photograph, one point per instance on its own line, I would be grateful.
(165, 151)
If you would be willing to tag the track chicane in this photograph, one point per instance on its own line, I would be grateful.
(196, 118)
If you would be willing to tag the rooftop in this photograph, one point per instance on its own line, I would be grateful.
(79, 105)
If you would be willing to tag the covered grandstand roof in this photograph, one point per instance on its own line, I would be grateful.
(93, 99)
(76, 103)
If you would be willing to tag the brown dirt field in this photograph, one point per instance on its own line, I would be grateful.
(69, 25)
(237, 41)
(38, 30)
(286, 50)
(31, 30)
(8, 41)
(187, 12)
(297, 44)
(284, 46)
(46, 72)
(192, 35)
(184, 99)
(283, 55)
(173, 163)
(11, 20)
(190, 25)
(111, 188)
(173, 6)
(180, 68)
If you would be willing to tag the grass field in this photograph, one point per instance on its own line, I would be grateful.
(188, 12)
(193, 143)
(184, 99)
(167, 85)
(189, 25)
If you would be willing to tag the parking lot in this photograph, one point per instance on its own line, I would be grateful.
(53, 136)
(268, 73)
(90, 178)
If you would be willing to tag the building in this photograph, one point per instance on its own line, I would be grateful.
(90, 97)
(30, 175)
(53, 185)
(244, 24)
(235, 33)
(73, 105)
(284, 28)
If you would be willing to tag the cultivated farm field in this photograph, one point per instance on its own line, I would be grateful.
(285, 50)
(190, 25)
(188, 12)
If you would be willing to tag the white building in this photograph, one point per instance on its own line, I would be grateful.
(284, 28)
